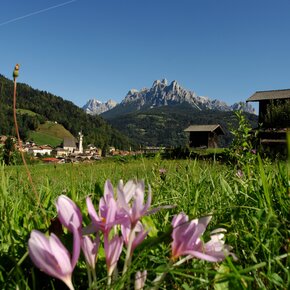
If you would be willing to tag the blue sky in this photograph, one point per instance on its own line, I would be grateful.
(83, 49)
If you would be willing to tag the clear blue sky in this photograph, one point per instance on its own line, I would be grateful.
(224, 49)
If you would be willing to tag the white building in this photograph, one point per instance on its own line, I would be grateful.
(69, 144)
(42, 150)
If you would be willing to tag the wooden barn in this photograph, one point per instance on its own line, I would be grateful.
(274, 117)
(204, 136)
(269, 102)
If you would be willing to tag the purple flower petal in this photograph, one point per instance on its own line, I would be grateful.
(50, 256)
(113, 249)
(187, 240)
(90, 249)
(68, 212)
(92, 212)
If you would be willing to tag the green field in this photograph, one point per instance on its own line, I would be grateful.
(251, 204)
(49, 133)
(26, 112)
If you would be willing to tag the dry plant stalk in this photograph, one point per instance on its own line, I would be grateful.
(15, 75)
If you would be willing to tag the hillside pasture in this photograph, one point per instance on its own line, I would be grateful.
(49, 133)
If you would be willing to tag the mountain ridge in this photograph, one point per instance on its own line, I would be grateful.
(96, 107)
(163, 94)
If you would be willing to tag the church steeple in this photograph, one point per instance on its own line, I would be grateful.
(81, 142)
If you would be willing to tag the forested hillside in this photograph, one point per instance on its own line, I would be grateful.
(164, 126)
(47, 106)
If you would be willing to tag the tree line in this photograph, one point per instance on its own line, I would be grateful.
(47, 106)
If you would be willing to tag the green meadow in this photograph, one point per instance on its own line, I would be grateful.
(252, 204)
(49, 133)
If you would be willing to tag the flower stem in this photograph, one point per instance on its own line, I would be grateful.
(89, 276)
(182, 260)
(109, 281)
(94, 275)
(22, 154)
(159, 279)
(69, 284)
(128, 258)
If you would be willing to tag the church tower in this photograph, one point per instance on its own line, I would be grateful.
(81, 150)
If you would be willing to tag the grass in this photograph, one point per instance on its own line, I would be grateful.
(45, 139)
(254, 208)
(49, 133)
(26, 112)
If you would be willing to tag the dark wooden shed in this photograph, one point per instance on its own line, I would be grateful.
(204, 135)
(274, 117)
(268, 100)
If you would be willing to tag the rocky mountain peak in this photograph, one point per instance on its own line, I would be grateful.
(174, 86)
(162, 94)
(96, 107)
(156, 83)
(164, 82)
(132, 91)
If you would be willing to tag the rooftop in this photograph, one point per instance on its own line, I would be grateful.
(269, 95)
(204, 128)
(69, 142)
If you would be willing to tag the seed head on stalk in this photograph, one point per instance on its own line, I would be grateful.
(16, 71)
(15, 75)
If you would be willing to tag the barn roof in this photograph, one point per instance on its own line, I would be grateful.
(269, 95)
(205, 128)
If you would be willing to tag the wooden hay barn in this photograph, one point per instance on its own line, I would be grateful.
(267, 100)
(204, 136)
(274, 117)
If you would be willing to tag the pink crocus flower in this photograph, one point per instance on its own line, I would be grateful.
(90, 248)
(187, 241)
(140, 279)
(126, 191)
(109, 213)
(113, 249)
(106, 218)
(51, 257)
(239, 173)
(134, 193)
(162, 172)
(107, 197)
(68, 213)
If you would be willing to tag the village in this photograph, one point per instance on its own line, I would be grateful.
(71, 150)
(270, 134)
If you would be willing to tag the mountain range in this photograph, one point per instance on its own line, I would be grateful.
(95, 107)
(161, 94)
(158, 116)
